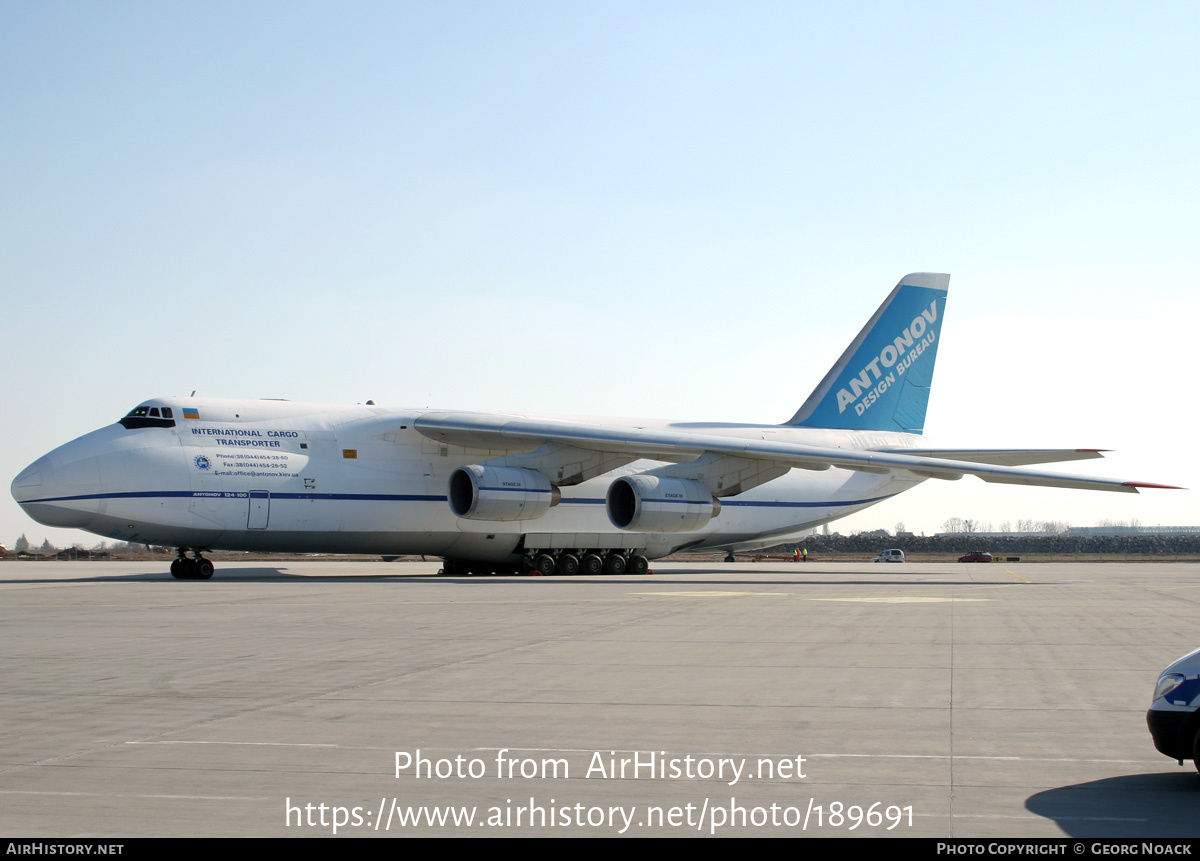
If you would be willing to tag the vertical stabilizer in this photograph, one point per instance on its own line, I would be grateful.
(882, 380)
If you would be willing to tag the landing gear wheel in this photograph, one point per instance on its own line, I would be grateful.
(202, 569)
(638, 564)
(615, 564)
(543, 565)
(591, 564)
(730, 558)
(568, 564)
(179, 568)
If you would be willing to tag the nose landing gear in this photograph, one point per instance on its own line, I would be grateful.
(197, 568)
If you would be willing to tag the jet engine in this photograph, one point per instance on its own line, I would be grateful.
(652, 503)
(480, 492)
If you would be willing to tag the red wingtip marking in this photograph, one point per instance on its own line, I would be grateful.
(1156, 486)
(1092, 450)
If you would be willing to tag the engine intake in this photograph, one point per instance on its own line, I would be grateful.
(479, 492)
(651, 503)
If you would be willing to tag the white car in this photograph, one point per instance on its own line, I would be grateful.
(889, 556)
(1174, 715)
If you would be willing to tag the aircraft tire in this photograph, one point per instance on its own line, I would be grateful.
(202, 569)
(568, 564)
(730, 558)
(615, 564)
(638, 565)
(179, 569)
(591, 564)
(543, 564)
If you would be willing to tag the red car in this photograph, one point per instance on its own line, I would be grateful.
(976, 557)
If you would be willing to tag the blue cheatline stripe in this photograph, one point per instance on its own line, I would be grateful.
(242, 494)
(417, 497)
(830, 503)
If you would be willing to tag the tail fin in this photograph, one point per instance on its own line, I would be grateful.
(882, 380)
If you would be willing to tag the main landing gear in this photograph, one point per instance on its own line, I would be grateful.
(545, 563)
(590, 562)
(197, 568)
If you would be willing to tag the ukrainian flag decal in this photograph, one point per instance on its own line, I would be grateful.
(189, 413)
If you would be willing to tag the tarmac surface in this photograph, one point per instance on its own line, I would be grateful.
(929, 699)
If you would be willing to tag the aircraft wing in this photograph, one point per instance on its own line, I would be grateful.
(499, 432)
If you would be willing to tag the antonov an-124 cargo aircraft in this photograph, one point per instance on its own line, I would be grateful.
(494, 492)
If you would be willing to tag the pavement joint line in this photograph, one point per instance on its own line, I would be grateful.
(1014, 574)
(983, 757)
(137, 795)
(255, 743)
(1056, 819)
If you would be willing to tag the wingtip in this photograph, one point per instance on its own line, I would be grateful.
(1136, 484)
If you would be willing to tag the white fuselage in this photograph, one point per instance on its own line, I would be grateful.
(285, 476)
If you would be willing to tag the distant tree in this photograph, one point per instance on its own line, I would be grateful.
(1006, 526)
(47, 547)
(900, 527)
(22, 545)
(954, 524)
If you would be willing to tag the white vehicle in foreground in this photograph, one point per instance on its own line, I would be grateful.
(1174, 715)
(889, 556)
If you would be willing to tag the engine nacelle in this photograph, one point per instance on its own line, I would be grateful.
(480, 492)
(651, 503)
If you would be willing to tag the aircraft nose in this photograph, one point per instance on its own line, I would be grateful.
(56, 490)
(28, 485)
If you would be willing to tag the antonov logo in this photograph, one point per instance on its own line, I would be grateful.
(899, 355)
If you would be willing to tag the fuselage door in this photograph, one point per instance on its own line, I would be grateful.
(260, 509)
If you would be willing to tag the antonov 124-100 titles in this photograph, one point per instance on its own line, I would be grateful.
(509, 493)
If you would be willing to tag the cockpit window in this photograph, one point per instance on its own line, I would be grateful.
(148, 417)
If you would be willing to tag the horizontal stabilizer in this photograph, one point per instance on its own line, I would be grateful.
(1003, 456)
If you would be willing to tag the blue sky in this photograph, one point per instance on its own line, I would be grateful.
(678, 210)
